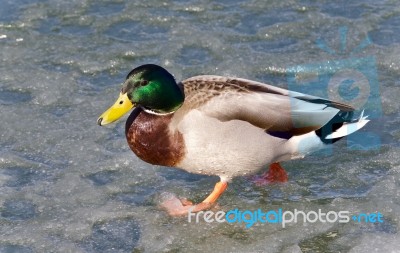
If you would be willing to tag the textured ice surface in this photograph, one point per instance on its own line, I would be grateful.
(68, 185)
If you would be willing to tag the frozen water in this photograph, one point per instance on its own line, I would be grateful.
(68, 185)
(113, 236)
(18, 210)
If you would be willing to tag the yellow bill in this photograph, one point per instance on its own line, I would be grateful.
(119, 108)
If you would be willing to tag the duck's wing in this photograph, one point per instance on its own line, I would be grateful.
(271, 108)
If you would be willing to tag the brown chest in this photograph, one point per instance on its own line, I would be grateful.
(151, 140)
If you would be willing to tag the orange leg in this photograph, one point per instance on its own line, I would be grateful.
(177, 207)
(275, 174)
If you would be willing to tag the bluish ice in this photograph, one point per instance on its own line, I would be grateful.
(68, 185)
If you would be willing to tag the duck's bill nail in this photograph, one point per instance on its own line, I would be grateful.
(116, 111)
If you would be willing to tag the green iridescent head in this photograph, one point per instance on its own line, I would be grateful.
(154, 88)
(149, 86)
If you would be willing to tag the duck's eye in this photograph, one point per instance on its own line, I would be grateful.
(121, 102)
(144, 82)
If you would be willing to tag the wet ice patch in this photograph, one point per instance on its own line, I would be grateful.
(139, 195)
(194, 56)
(102, 9)
(12, 248)
(20, 177)
(136, 31)
(113, 236)
(18, 210)
(103, 177)
(377, 243)
(10, 97)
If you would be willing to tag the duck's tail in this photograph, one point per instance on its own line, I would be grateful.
(339, 126)
(348, 128)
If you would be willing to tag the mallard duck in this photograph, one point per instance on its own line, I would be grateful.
(223, 126)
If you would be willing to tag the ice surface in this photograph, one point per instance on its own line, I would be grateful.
(68, 185)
